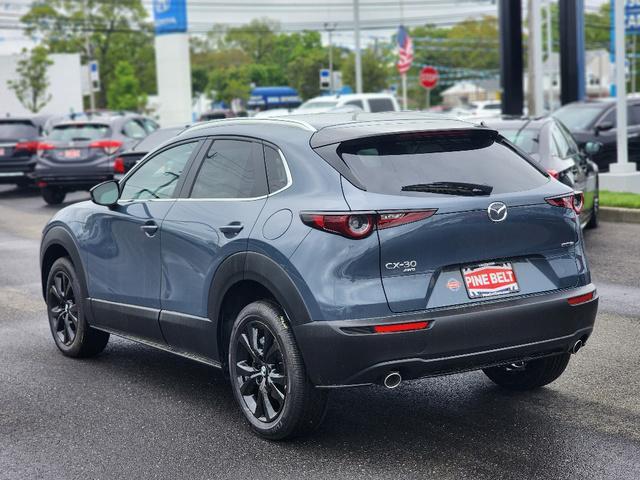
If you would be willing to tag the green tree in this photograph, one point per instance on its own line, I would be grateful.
(32, 83)
(256, 39)
(116, 30)
(375, 71)
(124, 91)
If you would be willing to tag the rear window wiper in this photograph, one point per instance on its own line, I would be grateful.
(450, 188)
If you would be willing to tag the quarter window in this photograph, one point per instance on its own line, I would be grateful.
(276, 171)
(231, 169)
(133, 129)
(158, 176)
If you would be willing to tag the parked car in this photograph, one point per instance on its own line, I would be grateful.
(366, 102)
(75, 155)
(551, 144)
(19, 147)
(216, 115)
(595, 121)
(480, 109)
(325, 251)
(124, 161)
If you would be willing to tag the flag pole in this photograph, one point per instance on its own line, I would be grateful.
(404, 91)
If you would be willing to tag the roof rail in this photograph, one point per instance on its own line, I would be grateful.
(240, 120)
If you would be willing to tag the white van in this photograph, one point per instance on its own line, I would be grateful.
(366, 102)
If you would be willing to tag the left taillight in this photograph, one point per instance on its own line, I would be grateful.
(573, 201)
(357, 225)
(118, 165)
(108, 146)
(30, 147)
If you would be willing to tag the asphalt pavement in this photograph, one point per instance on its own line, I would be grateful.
(134, 412)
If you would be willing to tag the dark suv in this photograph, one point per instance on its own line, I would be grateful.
(316, 252)
(76, 154)
(18, 147)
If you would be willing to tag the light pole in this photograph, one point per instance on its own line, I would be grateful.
(87, 46)
(330, 27)
(356, 28)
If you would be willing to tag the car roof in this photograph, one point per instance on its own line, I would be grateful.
(329, 128)
(348, 96)
(522, 122)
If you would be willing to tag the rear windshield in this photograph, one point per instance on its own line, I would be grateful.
(527, 139)
(17, 130)
(79, 132)
(156, 138)
(411, 164)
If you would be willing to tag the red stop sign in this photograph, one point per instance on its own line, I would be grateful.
(428, 77)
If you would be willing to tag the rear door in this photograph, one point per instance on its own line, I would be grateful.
(422, 262)
(213, 219)
(122, 245)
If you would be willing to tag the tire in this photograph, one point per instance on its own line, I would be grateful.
(268, 376)
(65, 308)
(53, 196)
(593, 221)
(529, 375)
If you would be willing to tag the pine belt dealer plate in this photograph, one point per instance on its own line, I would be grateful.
(490, 279)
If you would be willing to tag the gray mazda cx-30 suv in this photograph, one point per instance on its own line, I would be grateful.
(313, 252)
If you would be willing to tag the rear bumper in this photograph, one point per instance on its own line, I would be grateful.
(458, 339)
(75, 181)
(11, 172)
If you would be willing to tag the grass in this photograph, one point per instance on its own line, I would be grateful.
(619, 199)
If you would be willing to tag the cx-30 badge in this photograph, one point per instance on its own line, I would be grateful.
(497, 211)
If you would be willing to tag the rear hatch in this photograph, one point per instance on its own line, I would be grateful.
(463, 253)
(17, 140)
(78, 143)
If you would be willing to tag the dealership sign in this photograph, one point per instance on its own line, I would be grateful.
(170, 16)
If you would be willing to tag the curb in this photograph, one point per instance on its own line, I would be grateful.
(616, 214)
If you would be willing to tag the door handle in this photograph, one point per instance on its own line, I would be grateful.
(149, 228)
(232, 229)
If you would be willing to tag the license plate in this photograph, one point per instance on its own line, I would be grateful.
(72, 153)
(2, 152)
(490, 279)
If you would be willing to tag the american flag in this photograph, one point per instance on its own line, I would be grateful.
(405, 50)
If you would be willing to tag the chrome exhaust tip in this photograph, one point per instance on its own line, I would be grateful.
(577, 346)
(392, 380)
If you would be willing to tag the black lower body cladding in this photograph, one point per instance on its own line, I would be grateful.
(458, 339)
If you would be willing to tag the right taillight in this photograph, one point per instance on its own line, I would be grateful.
(573, 201)
(118, 165)
(357, 225)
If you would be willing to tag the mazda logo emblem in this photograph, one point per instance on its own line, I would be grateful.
(497, 211)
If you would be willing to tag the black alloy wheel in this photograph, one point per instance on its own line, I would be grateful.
(63, 309)
(260, 371)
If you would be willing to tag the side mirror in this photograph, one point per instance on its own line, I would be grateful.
(592, 148)
(105, 193)
(604, 126)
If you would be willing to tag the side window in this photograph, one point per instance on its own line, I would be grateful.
(381, 105)
(231, 169)
(158, 176)
(150, 125)
(276, 171)
(633, 115)
(356, 103)
(133, 129)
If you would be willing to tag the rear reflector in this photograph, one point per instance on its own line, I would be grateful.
(41, 184)
(400, 327)
(581, 298)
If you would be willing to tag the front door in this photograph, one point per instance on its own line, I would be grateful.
(123, 246)
(222, 204)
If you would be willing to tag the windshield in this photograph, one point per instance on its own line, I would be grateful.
(79, 132)
(17, 130)
(431, 163)
(527, 139)
(578, 117)
(319, 104)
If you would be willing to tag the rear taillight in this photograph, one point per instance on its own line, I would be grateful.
(553, 173)
(31, 147)
(118, 165)
(43, 147)
(573, 201)
(109, 146)
(358, 225)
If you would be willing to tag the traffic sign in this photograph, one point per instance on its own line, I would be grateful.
(429, 77)
(325, 79)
